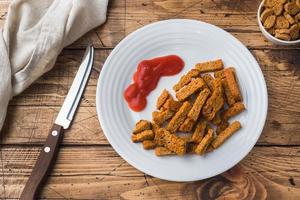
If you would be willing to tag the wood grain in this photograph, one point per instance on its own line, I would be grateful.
(104, 175)
(238, 18)
(30, 125)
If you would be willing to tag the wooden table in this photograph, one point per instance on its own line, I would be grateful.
(88, 167)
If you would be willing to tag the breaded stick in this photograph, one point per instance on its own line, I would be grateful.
(160, 117)
(222, 126)
(187, 138)
(162, 99)
(173, 142)
(191, 147)
(217, 119)
(141, 126)
(159, 137)
(232, 84)
(145, 135)
(201, 148)
(172, 105)
(149, 144)
(168, 110)
(208, 80)
(163, 151)
(229, 98)
(224, 135)
(235, 109)
(179, 117)
(199, 102)
(155, 127)
(187, 125)
(195, 85)
(199, 132)
(210, 66)
(215, 102)
(219, 74)
(185, 79)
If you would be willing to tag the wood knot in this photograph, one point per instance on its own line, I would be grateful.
(292, 182)
(275, 124)
(233, 184)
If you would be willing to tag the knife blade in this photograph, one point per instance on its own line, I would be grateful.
(70, 104)
(64, 118)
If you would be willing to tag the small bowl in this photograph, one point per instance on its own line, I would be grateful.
(270, 37)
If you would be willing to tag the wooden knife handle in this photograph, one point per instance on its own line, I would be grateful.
(43, 164)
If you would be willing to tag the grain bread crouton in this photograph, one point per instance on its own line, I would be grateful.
(228, 96)
(233, 84)
(290, 19)
(149, 144)
(163, 151)
(172, 142)
(198, 104)
(210, 66)
(217, 119)
(205, 142)
(179, 117)
(141, 125)
(145, 135)
(265, 14)
(235, 109)
(282, 22)
(215, 102)
(162, 99)
(159, 117)
(222, 126)
(208, 81)
(224, 135)
(199, 131)
(185, 79)
(278, 9)
(219, 74)
(172, 105)
(187, 125)
(291, 8)
(195, 85)
(270, 21)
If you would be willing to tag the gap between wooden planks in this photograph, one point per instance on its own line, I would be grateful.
(104, 175)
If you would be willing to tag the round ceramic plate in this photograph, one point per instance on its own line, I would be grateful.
(193, 41)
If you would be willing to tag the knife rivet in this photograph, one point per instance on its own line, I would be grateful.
(47, 149)
(54, 133)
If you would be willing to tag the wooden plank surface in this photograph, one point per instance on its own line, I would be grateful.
(104, 175)
(238, 18)
(88, 168)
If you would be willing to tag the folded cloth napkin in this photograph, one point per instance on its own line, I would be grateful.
(34, 33)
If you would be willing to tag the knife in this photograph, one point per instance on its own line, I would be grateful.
(64, 118)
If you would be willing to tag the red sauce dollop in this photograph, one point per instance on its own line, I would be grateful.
(146, 78)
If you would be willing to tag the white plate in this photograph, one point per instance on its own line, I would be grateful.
(193, 41)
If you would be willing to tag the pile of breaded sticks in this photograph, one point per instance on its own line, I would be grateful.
(197, 122)
(281, 18)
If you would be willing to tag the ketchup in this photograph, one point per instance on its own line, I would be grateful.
(146, 78)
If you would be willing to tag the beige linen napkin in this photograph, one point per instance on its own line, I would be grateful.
(34, 33)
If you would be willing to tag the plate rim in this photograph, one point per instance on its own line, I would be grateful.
(103, 125)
